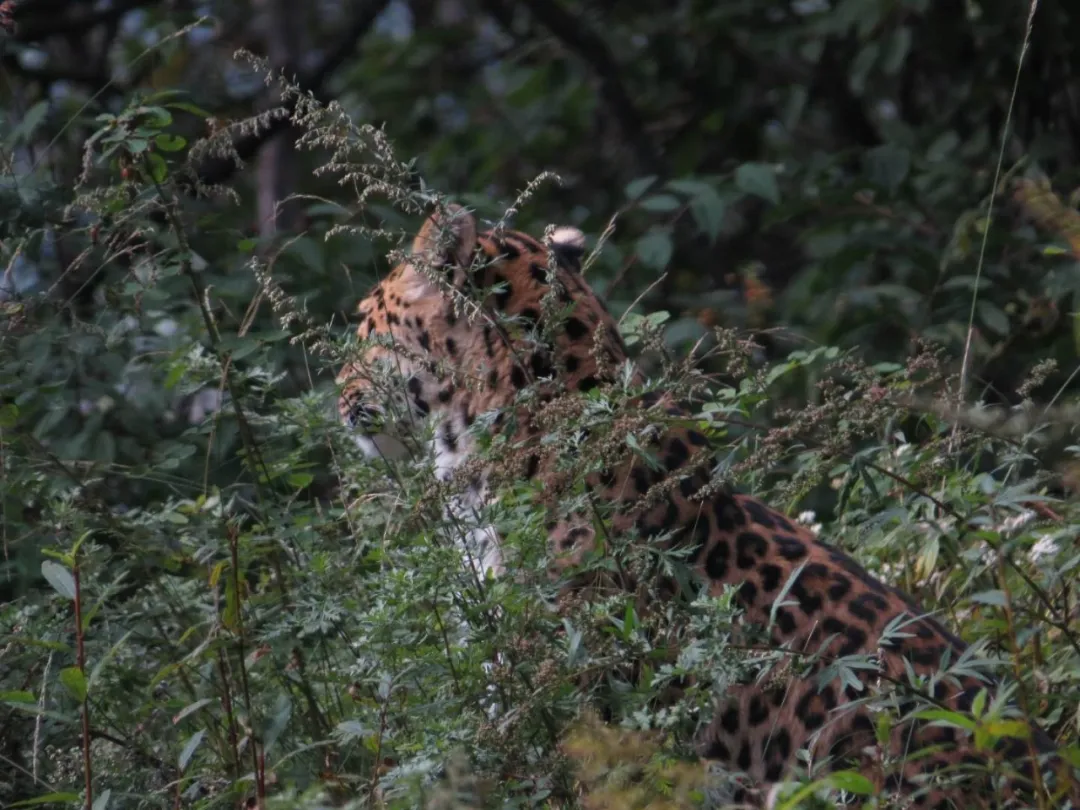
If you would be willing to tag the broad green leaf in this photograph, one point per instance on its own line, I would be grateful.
(887, 165)
(29, 122)
(188, 107)
(191, 708)
(155, 116)
(946, 716)
(993, 318)
(635, 188)
(661, 203)
(708, 209)
(17, 696)
(277, 722)
(299, 480)
(852, 782)
(95, 673)
(351, 730)
(942, 147)
(48, 798)
(979, 703)
(862, 65)
(75, 682)
(654, 249)
(896, 50)
(158, 168)
(170, 143)
(1009, 728)
(59, 577)
(189, 748)
(758, 179)
(993, 597)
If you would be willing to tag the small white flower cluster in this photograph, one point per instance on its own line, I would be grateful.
(807, 519)
(1045, 546)
(986, 553)
(1016, 522)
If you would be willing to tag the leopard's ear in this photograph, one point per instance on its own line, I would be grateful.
(448, 237)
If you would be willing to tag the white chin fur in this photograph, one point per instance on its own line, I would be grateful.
(381, 446)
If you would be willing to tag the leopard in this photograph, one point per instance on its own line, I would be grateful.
(472, 321)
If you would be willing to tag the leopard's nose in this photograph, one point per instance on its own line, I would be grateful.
(363, 417)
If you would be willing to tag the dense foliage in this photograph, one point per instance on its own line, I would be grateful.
(856, 216)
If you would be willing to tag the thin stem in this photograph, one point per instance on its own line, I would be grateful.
(965, 364)
(80, 658)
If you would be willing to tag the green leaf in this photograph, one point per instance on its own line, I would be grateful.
(887, 165)
(896, 50)
(861, 67)
(29, 123)
(995, 598)
(852, 782)
(59, 577)
(979, 703)
(300, 479)
(941, 148)
(661, 203)
(189, 748)
(159, 170)
(75, 682)
(654, 249)
(708, 209)
(95, 674)
(278, 722)
(176, 373)
(635, 188)
(17, 696)
(758, 179)
(187, 106)
(102, 801)
(993, 318)
(49, 798)
(191, 708)
(351, 730)
(946, 716)
(170, 143)
(1009, 728)
(155, 116)
(9, 415)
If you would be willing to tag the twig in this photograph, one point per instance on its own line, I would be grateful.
(214, 171)
(80, 660)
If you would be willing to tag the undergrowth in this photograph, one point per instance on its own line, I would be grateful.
(244, 611)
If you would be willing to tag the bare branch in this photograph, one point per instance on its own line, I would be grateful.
(217, 170)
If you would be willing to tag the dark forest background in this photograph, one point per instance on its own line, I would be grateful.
(870, 176)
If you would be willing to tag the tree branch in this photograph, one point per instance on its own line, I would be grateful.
(214, 171)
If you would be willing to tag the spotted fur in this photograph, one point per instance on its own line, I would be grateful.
(459, 365)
